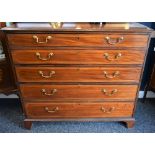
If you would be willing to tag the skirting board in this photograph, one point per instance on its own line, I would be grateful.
(141, 94)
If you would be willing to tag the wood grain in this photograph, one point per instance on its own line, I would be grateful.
(88, 40)
(78, 74)
(78, 92)
(79, 110)
(78, 56)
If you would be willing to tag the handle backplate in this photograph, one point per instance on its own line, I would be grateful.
(48, 94)
(52, 111)
(46, 76)
(105, 92)
(36, 39)
(115, 74)
(113, 41)
(108, 111)
(44, 59)
(116, 57)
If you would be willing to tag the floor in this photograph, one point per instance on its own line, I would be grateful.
(11, 121)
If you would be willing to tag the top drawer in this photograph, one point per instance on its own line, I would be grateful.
(81, 40)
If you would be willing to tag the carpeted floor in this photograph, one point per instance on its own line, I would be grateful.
(11, 121)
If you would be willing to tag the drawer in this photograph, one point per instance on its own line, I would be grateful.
(78, 110)
(89, 40)
(78, 92)
(78, 56)
(78, 74)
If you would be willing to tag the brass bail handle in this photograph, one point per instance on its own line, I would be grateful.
(108, 111)
(51, 111)
(104, 91)
(48, 94)
(46, 76)
(36, 38)
(113, 41)
(115, 74)
(107, 57)
(49, 56)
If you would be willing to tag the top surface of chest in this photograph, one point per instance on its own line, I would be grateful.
(78, 27)
(119, 35)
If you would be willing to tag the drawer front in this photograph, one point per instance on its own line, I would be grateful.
(78, 56)
(89, 40)
(78, 74)
(78, 92)
(79, 110)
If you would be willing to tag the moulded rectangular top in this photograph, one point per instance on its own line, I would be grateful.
(77, 26)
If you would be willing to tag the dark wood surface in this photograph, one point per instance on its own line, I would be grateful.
(7, 82)
(150, 86)
(86, 87)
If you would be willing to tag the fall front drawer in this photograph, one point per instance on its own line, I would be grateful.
(78, 74)
(78, 56)
(78, 92)
(78, 110)
(88, 40)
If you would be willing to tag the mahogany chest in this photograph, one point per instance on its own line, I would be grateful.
(78, 71)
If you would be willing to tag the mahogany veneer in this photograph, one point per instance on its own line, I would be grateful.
(78, 74)
(78, 110)
(78, 92)
(83, 57)
(88, 40)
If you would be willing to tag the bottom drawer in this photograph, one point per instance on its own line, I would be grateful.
(79, 110)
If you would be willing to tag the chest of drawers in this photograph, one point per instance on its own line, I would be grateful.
(84, 73)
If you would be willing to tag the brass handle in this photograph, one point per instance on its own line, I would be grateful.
(106, 55)
(113, 41)
(49, 94)
(115, 74)
(42, 42)
(46, 76)
(51, 111)
(104, 91)
(108, 111)
(44, 59)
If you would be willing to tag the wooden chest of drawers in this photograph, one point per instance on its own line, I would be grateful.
(87, 73)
